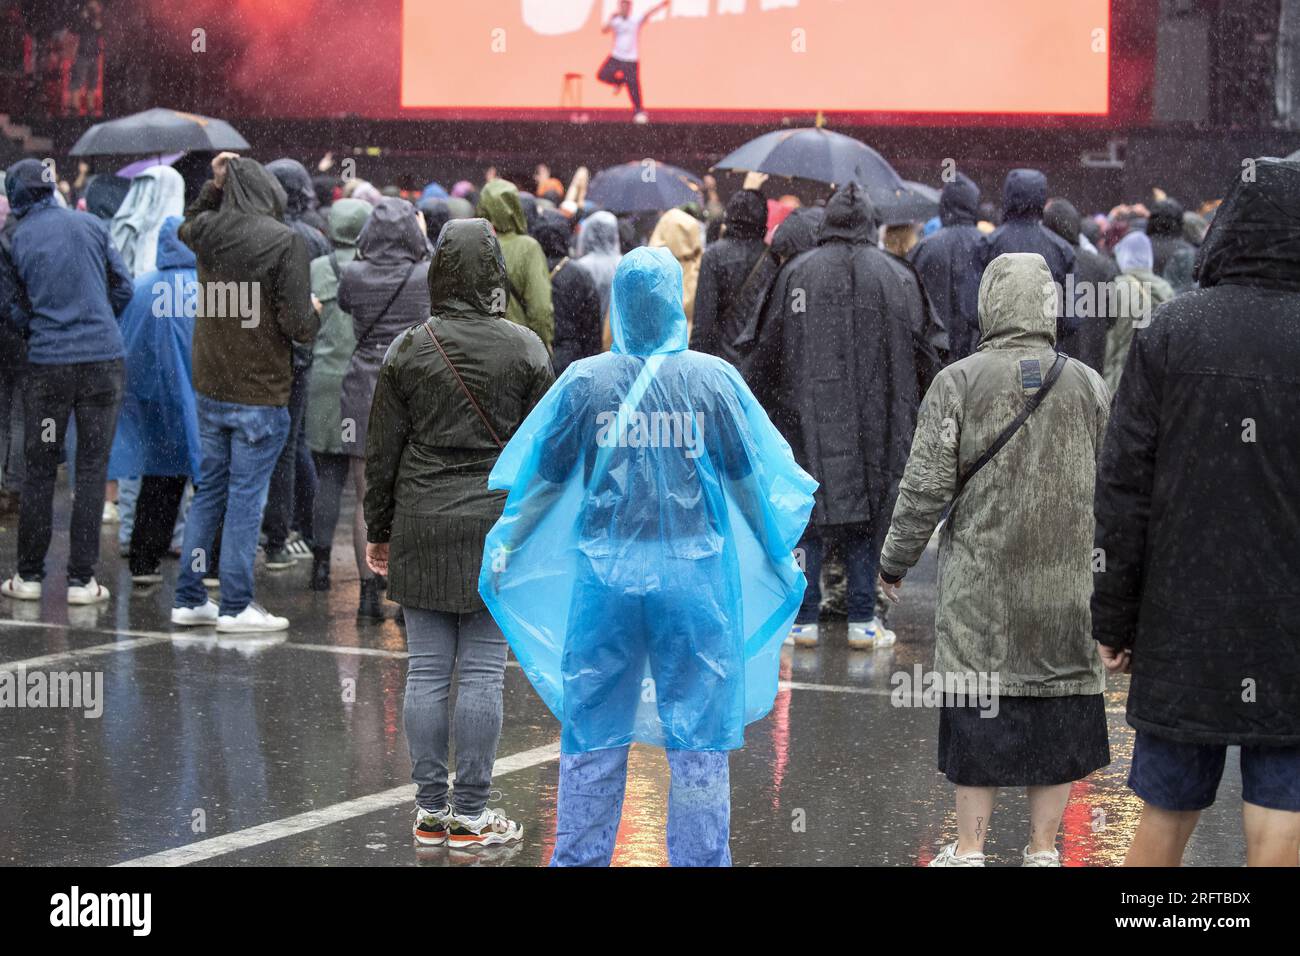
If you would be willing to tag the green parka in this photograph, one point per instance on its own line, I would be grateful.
(1015, 555)
(529, 291)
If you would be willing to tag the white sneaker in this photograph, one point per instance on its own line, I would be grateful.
(111, 514)
(641, 118)
(212, 582)
(430, 827)
(197, 616)
(1050, 857)
(948, 857)
(804, 635)
(862, 637)
(251, 619)
(884, 636)
(489, 828)
(92, 592)
(20, 590)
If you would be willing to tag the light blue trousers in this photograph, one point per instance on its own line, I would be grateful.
(590, 805)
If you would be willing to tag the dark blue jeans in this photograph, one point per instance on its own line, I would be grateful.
(240, 446)
(854, 544)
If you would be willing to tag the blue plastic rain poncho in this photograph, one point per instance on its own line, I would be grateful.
(158, 427)
(642, 569)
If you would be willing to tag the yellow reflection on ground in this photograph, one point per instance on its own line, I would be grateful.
(645, 810)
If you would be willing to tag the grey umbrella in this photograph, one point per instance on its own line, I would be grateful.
(158, 131)
(643, 186)
(818, 154)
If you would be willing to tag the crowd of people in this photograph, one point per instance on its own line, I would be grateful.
(631, 449)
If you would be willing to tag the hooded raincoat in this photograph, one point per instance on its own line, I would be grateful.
(156, 194)
(1196, 502)
(679, 232)
(599, 252)
(336, 341)
(719, 316)
(428, 454)
(1024, 194)
(1138, 293)
(1015, 558)
(158, 426)
(528, 281)
(384, 290)
(642, 570)
(846, 354)
(950, 262)
(577, 304)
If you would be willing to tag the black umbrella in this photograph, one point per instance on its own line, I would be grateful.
(817, 154)
(914, 202)
(643, 186)
(1294, 157)
(159, 131)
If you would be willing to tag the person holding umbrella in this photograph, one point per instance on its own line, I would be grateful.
(622, 67)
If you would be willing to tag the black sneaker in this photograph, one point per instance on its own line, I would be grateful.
(320, 569)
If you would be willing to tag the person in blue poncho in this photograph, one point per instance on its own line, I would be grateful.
(643, 567)
(158, 428)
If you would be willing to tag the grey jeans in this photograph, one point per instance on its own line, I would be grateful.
(473, 647)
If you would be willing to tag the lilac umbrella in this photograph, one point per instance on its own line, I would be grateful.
(131, 170)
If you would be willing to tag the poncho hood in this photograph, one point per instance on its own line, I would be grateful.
(646, 315)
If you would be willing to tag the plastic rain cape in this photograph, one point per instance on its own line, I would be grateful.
(643, 567)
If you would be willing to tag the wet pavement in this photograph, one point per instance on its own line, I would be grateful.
(289, 749)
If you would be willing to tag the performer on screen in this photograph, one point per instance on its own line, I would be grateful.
(621, 67)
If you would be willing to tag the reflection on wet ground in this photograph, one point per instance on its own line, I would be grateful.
(289, 749)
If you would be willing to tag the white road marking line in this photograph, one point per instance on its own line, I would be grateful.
(835, 688)
(315, 819)
(95, 650)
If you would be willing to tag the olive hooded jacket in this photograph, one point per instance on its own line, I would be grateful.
(1015, 555)
(528, 276)
(428, 453)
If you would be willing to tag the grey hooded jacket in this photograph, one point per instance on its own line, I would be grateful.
(1015, 555)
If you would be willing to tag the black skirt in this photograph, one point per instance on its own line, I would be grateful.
(1032, 742)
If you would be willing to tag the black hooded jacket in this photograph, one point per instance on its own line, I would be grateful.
(950, 263)
(300, 205)
(244, 249)
(725, 266)
(1173, 256)
(1082, 335)
(1023, 197)
(796, 235)
(1196, 506)
(573, 293)
(849, 359)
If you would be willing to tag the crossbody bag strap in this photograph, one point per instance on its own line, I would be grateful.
(463, 387)
(1007, 433)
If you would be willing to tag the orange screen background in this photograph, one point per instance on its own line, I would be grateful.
(906, 56)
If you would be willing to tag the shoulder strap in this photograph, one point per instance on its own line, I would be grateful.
(463, 387)
(558, 266)
(1007, 433)
(334, 264)
(406, 277)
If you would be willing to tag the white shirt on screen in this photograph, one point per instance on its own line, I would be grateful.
(626, 30)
